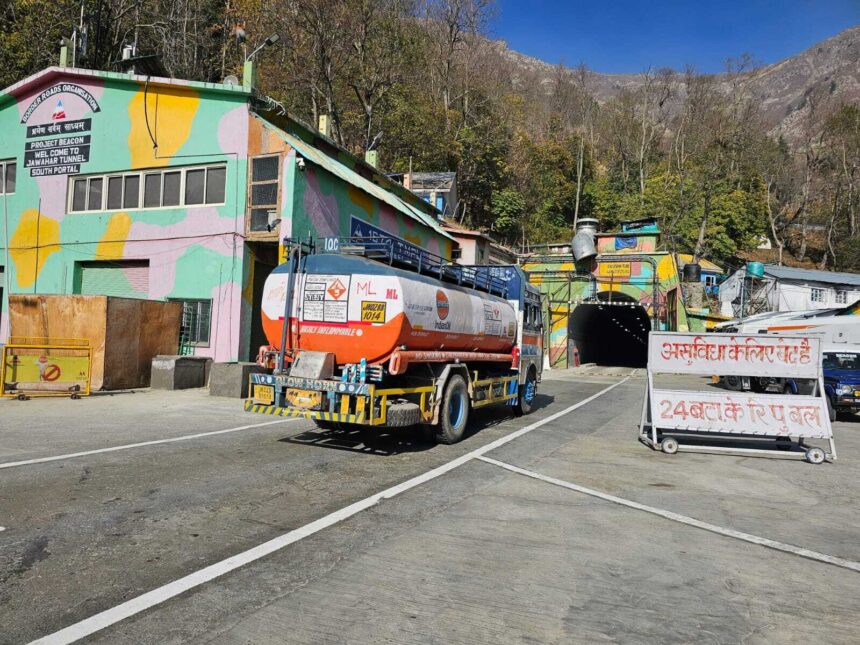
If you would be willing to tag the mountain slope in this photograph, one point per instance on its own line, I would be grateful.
(829, 70)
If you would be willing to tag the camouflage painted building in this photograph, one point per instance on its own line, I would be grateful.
(157, 188)
(602, 311)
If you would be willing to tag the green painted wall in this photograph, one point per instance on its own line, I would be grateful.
(194, 252)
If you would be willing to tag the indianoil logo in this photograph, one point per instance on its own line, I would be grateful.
(442, 305)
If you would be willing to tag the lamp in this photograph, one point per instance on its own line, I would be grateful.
(271, 40)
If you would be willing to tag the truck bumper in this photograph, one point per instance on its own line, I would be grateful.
(278, 411)
(847, 403)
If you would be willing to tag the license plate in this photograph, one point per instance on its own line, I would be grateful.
(264, 394)
(306, 399)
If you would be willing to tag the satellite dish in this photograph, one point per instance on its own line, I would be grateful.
(231, 80)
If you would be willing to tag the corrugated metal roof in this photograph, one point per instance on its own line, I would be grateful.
(811, 275)
(338, 169)
(433, 180)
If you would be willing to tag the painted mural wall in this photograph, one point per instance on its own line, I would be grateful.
(324, 206)
(105, 123)
(610, 277)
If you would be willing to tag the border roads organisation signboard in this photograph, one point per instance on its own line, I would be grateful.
(739, 415)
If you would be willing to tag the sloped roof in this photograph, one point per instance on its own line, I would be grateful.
(340, 170)
(433, 180)
(812, 275)
(50, 74)
(686, 258)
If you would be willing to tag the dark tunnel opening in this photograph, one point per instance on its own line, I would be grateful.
(611, 334)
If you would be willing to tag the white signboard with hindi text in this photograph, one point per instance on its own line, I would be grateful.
(741, 413)
(734, 354)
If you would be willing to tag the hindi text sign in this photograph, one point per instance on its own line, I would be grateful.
(733, 412)
(613, 269)
(731, 354)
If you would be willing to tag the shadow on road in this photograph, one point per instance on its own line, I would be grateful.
(386, 442)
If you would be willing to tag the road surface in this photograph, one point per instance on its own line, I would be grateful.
(472, 552)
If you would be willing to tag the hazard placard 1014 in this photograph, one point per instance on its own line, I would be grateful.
(372, 311)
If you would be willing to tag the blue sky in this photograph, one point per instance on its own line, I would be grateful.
(629, 36)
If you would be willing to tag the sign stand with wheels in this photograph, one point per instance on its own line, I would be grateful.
(720, 422)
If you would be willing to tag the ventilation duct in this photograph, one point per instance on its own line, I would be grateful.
(582, 246)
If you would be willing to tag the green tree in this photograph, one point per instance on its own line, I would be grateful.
(508, 210)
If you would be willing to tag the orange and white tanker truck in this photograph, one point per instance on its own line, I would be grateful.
(382, 333)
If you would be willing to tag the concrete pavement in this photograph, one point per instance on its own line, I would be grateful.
(479, 554)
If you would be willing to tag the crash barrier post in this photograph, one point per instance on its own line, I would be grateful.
(37, 366)
(710, 418)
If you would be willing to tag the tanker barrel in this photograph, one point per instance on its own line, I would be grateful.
(358, 308)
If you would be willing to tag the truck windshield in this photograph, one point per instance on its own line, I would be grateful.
(841, 361)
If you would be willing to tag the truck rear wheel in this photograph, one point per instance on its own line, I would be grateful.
(455, 411)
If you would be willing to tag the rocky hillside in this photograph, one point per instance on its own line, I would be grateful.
(830, 69)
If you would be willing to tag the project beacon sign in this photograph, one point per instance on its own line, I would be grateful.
(63, 155)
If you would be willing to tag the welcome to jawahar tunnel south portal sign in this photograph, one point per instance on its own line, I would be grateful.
(46, 153)
(684, 412)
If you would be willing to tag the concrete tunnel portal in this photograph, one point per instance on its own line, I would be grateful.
(611, 333)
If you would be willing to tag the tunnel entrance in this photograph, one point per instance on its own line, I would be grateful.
(611, 333)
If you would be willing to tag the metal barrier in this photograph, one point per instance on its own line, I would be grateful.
(672, 420)
(38, 366)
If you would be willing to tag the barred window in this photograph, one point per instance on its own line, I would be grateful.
(817, 295)
(263, 193)
(196, 321)
(7, 177)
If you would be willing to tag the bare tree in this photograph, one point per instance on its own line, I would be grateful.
(450, 23)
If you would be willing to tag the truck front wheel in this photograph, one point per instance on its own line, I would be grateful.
(455, 411)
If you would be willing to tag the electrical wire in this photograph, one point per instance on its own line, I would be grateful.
(146, 115)
(124, 241)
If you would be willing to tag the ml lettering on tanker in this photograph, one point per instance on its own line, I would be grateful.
(364, 333)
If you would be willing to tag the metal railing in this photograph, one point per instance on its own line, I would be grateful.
(402, 254)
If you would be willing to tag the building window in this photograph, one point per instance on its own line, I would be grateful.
(196, 320)
(841, 297)
(193, 186)
(817, 295)
(7, 177)
(263, 193)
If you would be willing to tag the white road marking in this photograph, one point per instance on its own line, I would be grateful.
(157, 596)
(128, 446)
(683, 519)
